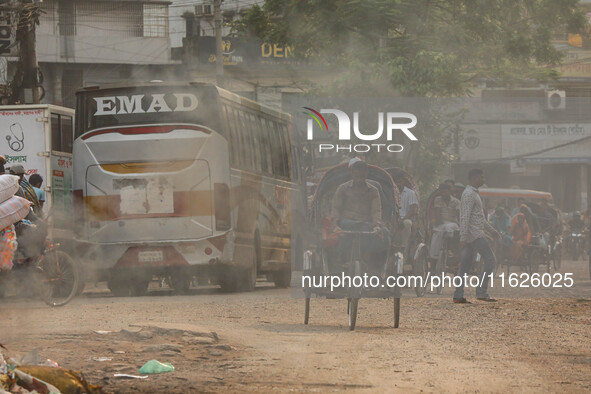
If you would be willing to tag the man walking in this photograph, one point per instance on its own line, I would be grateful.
(472, 238)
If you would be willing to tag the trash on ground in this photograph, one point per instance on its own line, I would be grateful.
(102, 332)
(51, 363)
(45, 378)
(65, 380)
(124, 375)
(155, 366)
(100, 359)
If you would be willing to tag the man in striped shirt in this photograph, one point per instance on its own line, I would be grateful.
(473, 223)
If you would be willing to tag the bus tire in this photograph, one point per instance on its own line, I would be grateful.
(248, 277)
(228, 280)
(180, 282)
(119, 287)
(282, 279)
(139, 287)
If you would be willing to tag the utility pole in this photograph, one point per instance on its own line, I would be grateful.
(30, 92)
(219, 57)
(30, 67)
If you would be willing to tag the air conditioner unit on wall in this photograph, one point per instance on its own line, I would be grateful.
(555, 99)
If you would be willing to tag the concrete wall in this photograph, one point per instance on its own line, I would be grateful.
(74, 49)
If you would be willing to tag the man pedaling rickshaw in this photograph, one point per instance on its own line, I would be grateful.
(446, 210)
(520, 234)
(356, 206)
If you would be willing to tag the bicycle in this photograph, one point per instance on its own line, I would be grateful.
(53, 272)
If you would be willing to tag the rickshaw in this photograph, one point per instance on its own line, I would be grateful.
(448, 258)
(415, 263)
(545, 248)
(533, 256)
(322, 257)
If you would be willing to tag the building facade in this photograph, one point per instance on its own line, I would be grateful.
(82, 43)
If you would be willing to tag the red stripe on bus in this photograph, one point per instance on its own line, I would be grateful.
(145, 130)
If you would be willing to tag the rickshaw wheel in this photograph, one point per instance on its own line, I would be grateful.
(352, 312)
(440, 267)
(420, 269)
(396, 312)
(557, 258)
(354, 296)
(534, 261)
(307, 310)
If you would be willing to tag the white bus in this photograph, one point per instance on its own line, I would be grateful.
(183, 180)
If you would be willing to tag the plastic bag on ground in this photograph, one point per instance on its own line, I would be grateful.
(155, 366)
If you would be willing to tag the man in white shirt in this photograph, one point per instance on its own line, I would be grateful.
(409, 205)
(447, 212)
(472, 237)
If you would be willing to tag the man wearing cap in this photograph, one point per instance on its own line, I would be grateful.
(357, 206)
(26, 190)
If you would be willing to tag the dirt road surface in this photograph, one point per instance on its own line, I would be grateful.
(257, 341)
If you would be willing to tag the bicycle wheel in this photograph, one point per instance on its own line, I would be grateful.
(59, 278)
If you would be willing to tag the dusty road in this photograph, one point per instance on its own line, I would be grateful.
(260, 343)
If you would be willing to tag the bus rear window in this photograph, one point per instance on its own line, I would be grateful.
(146, 105)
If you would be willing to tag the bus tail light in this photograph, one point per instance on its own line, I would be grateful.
(221, 195)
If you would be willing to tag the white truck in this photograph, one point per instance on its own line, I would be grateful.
(40, 138)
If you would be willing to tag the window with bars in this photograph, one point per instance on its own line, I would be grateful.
(66, 11)
(155, 20)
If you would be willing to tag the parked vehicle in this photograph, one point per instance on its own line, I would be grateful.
(39, 137)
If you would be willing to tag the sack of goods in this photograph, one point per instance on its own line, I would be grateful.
(8, 187)
(12, 210)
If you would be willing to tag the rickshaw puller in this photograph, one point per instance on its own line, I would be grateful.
(357, 206)
(447, 210)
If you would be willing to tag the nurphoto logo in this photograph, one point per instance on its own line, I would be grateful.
(394, 122)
